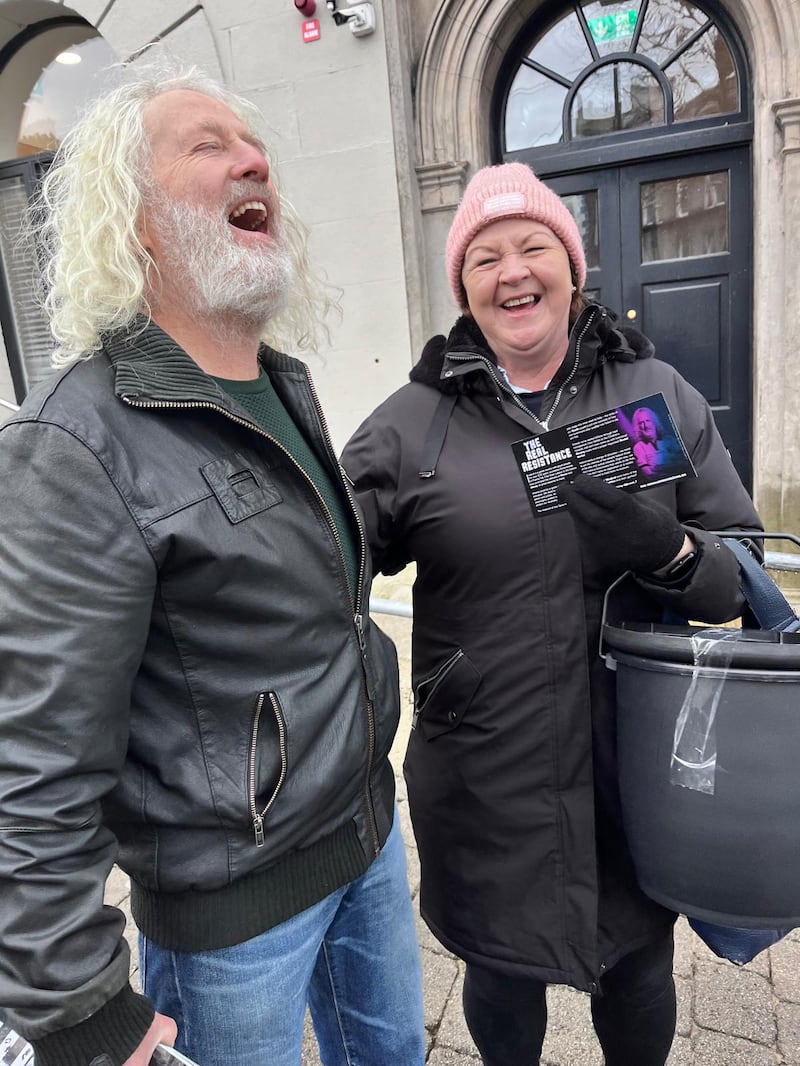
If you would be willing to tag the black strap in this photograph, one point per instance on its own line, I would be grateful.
(768, 604)
(437, 431)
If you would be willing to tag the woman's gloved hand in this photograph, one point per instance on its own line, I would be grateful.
(619, 530)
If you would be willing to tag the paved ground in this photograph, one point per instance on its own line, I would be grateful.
(727, 1016)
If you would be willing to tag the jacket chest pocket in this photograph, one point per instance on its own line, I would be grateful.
(240, 490)
(441, 700)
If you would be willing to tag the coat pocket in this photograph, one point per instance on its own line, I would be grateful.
(268, 730)
(239, 490)
(442, 699)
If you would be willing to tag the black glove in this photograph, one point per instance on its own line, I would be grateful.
(620, 531)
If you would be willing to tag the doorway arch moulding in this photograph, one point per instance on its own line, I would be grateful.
(184, 30)
(458, 68)
(465, 47)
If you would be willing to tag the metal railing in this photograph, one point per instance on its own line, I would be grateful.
(9, 406)
(783, 561)
(379, 606)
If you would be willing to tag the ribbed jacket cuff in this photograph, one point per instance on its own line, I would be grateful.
(115, 1031)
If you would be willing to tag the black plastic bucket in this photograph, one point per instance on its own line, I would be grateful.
(730, 855)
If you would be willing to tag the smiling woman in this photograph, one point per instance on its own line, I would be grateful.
(511, 767)
(514, 259)
(519, 289)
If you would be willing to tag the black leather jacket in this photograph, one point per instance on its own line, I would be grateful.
(185, 676)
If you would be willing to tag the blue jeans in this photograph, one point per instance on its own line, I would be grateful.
(352, 958)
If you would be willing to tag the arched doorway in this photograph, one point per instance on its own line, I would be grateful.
(638, 112)
(48, 73)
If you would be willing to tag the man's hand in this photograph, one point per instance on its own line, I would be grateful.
(162, 1030)
(621, 531)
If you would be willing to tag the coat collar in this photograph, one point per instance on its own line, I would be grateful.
(601, 340)
(150, 366)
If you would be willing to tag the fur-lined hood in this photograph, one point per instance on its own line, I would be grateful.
(601, 340)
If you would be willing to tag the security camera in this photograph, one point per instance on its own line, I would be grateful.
(360, 17)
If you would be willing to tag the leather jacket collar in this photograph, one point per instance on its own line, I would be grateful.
(149, 365)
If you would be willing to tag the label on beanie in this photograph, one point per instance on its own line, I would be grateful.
(633, 447)
(503, 203)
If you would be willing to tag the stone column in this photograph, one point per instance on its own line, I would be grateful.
(440, 186)
(783, 510)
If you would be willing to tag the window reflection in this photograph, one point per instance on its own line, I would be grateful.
(583, 207)
(619, 96)
(684, 217)
(676, 35)
(668, 24)
(703, 79)
(564, 48)
(533, 110)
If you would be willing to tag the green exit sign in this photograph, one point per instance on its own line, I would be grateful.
(612, 27)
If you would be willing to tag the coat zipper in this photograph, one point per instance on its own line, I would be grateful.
(358, 617)
(258, 819)
(572, 373)
(435, 681)
(492, 367)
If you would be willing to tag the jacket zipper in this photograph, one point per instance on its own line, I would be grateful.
(573, 371)
(358, 617)
(435, 681)
(258, 819)
(491, 367)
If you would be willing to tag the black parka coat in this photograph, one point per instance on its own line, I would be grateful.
(511, 766)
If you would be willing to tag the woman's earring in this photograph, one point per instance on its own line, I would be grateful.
(574, 288)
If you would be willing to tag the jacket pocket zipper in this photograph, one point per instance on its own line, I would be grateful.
(435, 680)
(258, 818)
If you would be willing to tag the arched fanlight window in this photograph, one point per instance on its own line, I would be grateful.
(609, 67)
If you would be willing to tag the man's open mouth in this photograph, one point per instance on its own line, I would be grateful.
(251, 216)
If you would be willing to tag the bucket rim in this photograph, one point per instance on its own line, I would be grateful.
(755, 649)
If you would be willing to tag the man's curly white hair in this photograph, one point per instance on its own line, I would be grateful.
(95, 270)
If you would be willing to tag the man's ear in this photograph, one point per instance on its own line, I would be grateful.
(142, 231)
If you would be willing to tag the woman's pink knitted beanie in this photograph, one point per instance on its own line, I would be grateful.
(511, 190)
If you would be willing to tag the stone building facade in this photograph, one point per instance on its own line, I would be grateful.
(375, 134)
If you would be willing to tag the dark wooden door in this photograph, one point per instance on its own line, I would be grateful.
(669, 248)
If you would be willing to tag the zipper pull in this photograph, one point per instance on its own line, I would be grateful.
(258, 827)
(362, 642)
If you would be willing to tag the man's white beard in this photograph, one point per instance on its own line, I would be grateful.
(213, 275)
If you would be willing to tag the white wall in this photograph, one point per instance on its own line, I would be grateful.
(329, 121)
(328, 109)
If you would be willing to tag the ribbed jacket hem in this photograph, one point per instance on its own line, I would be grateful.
(202, 921)
(116, 1030)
